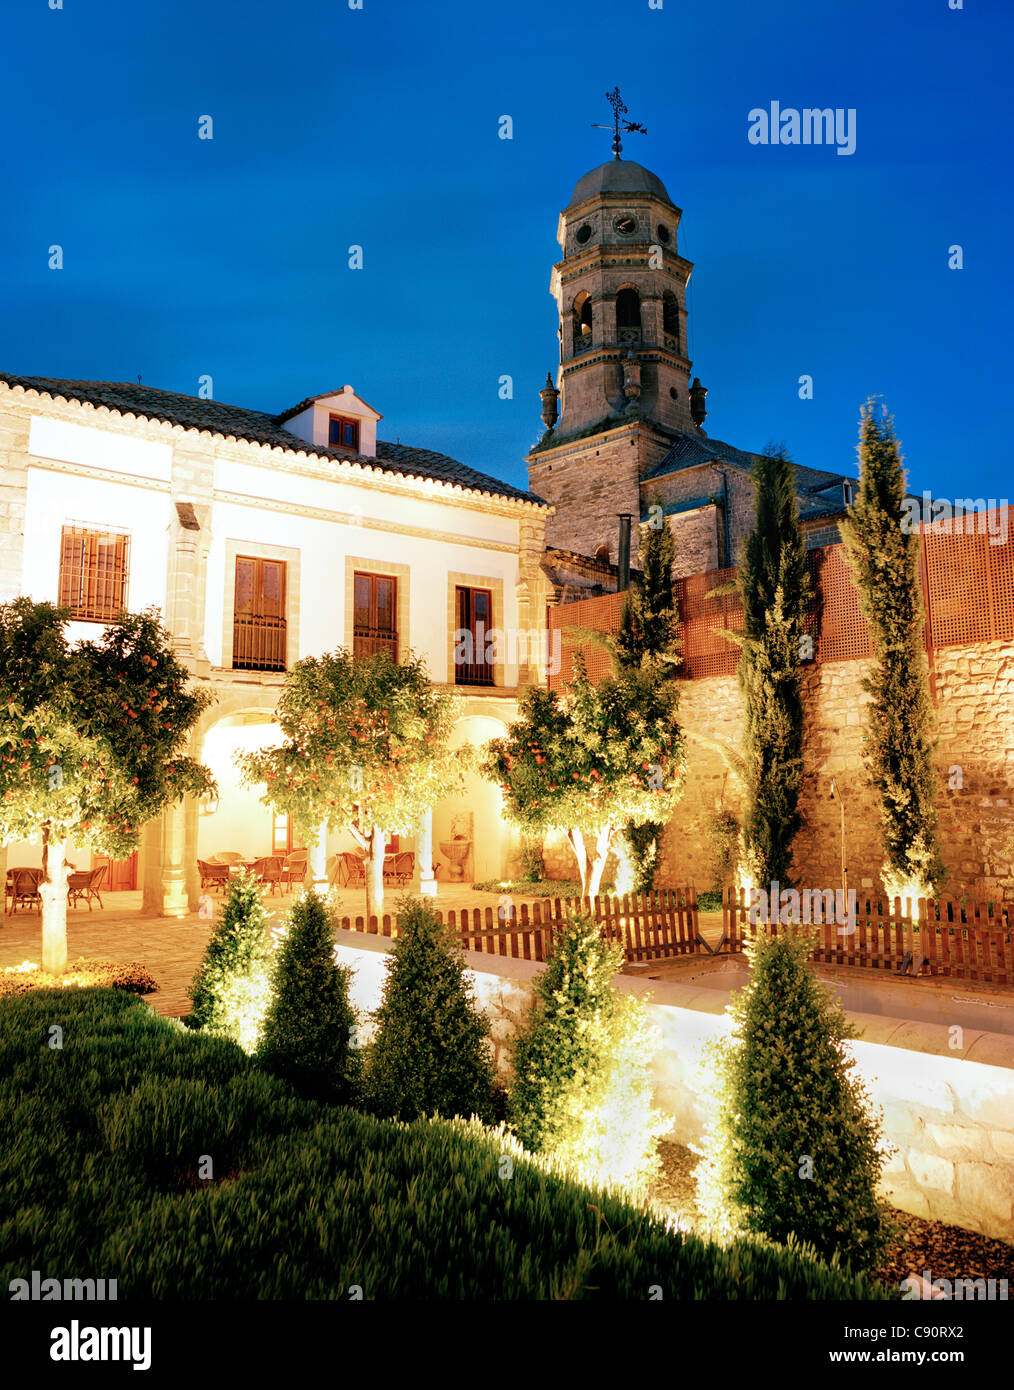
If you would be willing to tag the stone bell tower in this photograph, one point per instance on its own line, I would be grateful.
(624, 377)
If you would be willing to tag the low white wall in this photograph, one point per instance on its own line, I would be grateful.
(950, 1115)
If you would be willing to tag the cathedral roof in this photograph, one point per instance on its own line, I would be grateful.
(618, 176)
(256, 427)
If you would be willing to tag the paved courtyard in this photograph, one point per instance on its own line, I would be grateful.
(170, 948)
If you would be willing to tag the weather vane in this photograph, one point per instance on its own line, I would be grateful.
(613, 98)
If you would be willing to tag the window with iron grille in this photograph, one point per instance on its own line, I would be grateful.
(93, 573)
(374, 618)
(259, 632)
(474, 609)
(343, 433)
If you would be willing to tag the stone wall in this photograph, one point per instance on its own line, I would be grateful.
(949, 1119)
(974, 758)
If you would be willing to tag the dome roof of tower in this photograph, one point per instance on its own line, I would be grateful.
(618, 176)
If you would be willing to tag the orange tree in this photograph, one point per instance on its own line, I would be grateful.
(366, 750)
(592, 761)
(92, 741)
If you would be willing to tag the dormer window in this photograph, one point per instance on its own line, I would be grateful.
(343, 433)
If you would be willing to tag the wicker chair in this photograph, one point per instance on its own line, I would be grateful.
(399, 868)
(85, 885)
(22, 887)
(350, 871)
(294, 869)
(268, 870)
(212, 874)
(227, 856)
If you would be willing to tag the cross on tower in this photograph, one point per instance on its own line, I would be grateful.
(616, 103)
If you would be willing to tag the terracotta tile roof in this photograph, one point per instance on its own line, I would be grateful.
(256, 427)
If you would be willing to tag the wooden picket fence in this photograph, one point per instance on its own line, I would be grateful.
(943, 938)
(653, 926)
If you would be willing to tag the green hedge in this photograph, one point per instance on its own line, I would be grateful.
(538, 888)
(102, 1138)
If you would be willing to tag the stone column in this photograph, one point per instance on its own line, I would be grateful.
(318, 860)
(426, 883)
(172, 892)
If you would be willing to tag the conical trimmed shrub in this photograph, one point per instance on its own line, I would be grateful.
(793, 1145)
(308, 1031)
(582, 1090)
(431, 1054)
(230, 991)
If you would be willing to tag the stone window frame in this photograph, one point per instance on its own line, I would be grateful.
(261, 550)
(366, 564)
(496, 587)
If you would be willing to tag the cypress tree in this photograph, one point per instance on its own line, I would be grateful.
(792, 1145)
(310, 1022)
(230, 990)
(774, 588)
(883, 553)
(649, 632)
(431, 1053)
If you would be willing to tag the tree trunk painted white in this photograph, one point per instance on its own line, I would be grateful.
(591, 864)
(427, 885)
(598, 863)
(53, 892)
(374, 867)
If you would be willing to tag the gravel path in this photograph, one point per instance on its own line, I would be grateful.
(947, 1252)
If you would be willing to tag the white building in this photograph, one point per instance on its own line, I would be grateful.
(263, 539)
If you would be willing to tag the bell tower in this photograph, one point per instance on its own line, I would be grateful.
(623, 393)
(620, 291)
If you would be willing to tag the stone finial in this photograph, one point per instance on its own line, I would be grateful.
(550, 403)
(698, 409)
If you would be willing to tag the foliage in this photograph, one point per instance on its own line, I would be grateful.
(533, 866)
(774, 589)
(793, 1148)
(431, 1052)
(92, 737)
(83, 972)
(649, 635)
(231, 988)
(93, 741)
(102, 1145)
(649, 622)
(723, 833)
(591, 761)
(366, 749)
(310, 1022)
(641, 843)
(884, 559)
(546, 888)
(582, 1090)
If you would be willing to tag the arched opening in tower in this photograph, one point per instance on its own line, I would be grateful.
(628, 315)
(671, 319)
(582, 321)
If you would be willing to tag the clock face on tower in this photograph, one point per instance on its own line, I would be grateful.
(626, 225)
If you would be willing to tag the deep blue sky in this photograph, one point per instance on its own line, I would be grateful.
(379, 127)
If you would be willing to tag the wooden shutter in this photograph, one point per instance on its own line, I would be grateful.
(93, 573)
(259, 626)
(375, 615)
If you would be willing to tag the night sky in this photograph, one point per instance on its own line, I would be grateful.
(379, 127)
